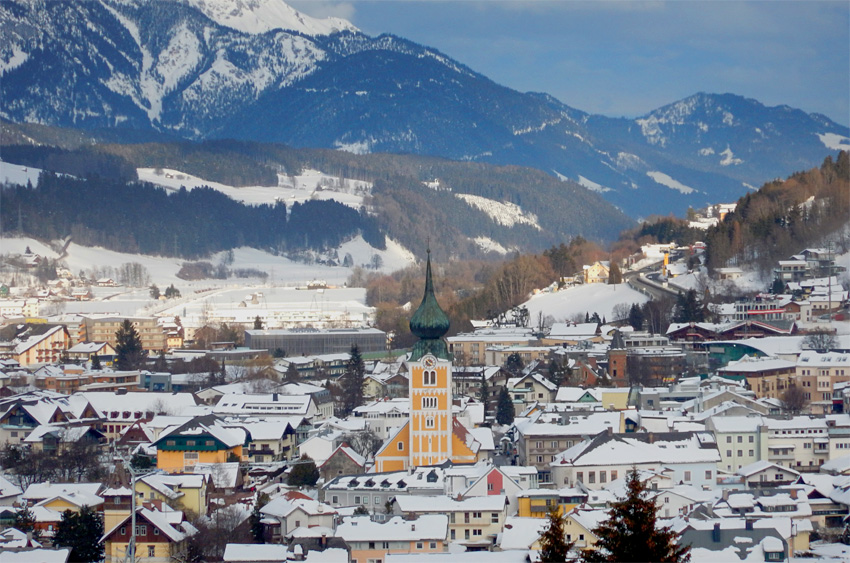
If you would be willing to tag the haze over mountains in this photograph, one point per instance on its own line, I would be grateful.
(258, 70)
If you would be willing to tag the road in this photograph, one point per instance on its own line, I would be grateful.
(639, 282)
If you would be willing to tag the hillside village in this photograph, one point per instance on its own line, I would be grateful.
(294, 432)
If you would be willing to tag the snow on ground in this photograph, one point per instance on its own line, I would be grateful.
(591, 298)
(18, 174)
(592, 186)
(489, 245)
(310, 184)
(834, 141)
(503, 213)
(669, 182)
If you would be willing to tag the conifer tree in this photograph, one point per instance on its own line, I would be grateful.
(304, 473)
(95, 363)
(25, 522)
(615, 276)
(554, 546)
(128, 347)
(352, 382)
(504, 408)
(81, 532)
(630, 533)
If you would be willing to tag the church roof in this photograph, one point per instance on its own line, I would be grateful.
(429, 323)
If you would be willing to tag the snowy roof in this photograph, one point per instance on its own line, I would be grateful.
(736, 424)
(261, 553)
(36, 554)
(758, 364)
(679, 447)
(274, 403)
(763, 465)
(426, 527)
(575, 425)
(483, 436)
(40, 491)
(521, 533)
(282, 507)
(442, 504)
(573, 394)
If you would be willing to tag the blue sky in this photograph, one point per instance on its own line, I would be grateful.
(626, 58)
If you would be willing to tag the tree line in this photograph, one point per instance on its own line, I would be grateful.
(142, 218)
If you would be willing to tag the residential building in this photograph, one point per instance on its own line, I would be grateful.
(473, 521)
(372, 541)
(103, 329)
(314, 342)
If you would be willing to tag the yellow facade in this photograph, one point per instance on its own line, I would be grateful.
(193, 498)
(159, 552)
(430, 412)
(61, 505)
(395, 455)
(177, 461)
(538, 507)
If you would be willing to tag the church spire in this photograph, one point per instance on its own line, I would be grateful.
(429, 322)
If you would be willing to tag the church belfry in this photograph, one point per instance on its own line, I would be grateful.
(430, 366)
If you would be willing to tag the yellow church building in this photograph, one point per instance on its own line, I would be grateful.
(431, 434)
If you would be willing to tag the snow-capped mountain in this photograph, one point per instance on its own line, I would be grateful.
(260, 16)
(259, 70)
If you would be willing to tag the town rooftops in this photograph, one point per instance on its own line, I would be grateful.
(418, 504)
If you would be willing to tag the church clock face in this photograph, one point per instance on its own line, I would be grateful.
(429, 361)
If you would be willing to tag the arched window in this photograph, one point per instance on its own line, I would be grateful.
(429, 377)
(429, 402)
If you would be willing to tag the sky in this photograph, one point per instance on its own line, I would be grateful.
(627, 58)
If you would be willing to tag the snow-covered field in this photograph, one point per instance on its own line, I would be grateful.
(592, 298)
(282, 273)
(18, 174)
(311, 184)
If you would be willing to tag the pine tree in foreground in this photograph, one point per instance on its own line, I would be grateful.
(554, 546)
(631, 533)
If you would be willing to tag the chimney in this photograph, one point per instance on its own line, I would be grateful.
(324, 540)
(715, 533)
(725, 494)
(748, 524)
(413, 527)
(651, 438)
(793, 493)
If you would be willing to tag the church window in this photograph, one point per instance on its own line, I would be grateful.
(400, 446)
(429, 377)
(429, 422)
(429, 402)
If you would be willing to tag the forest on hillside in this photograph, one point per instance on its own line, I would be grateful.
(141, 218)
(809, 209)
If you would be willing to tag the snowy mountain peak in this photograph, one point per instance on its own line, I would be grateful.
(260, 16)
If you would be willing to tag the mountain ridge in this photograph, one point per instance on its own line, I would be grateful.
(168, 67)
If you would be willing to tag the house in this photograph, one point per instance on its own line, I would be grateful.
(691, 458)
(342, 461)
(38, 344)
(159, 536)
(373, 541)
(473, 521)
(189, 491)
(294, 510)
(539, 440)
(537, 503)
(270, 441)
(203, 439)
(530, 388)
(596, 272)
(85, 350)
(766, 474)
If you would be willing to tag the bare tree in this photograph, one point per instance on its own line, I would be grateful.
(794, 399)
(820, 340)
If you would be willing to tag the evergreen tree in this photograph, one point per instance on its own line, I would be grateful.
(258, 323)
(172, 292)
(554, 546)
(689, 308)
(504, 408)
(292, 374)
(154, 291)
(304, 473)
(352, 382)
(128, 347)
(25, 522)
(514, 364)
(82, 533)
(257, 529)
(636, 317)
(161, 365)
(630, 532)
(95, 363)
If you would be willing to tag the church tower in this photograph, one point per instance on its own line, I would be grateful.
(430, 367)
(431, 435)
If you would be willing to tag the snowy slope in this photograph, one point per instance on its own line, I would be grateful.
(260, 16)
(291, 189)
(17, 174)
(591, 298)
